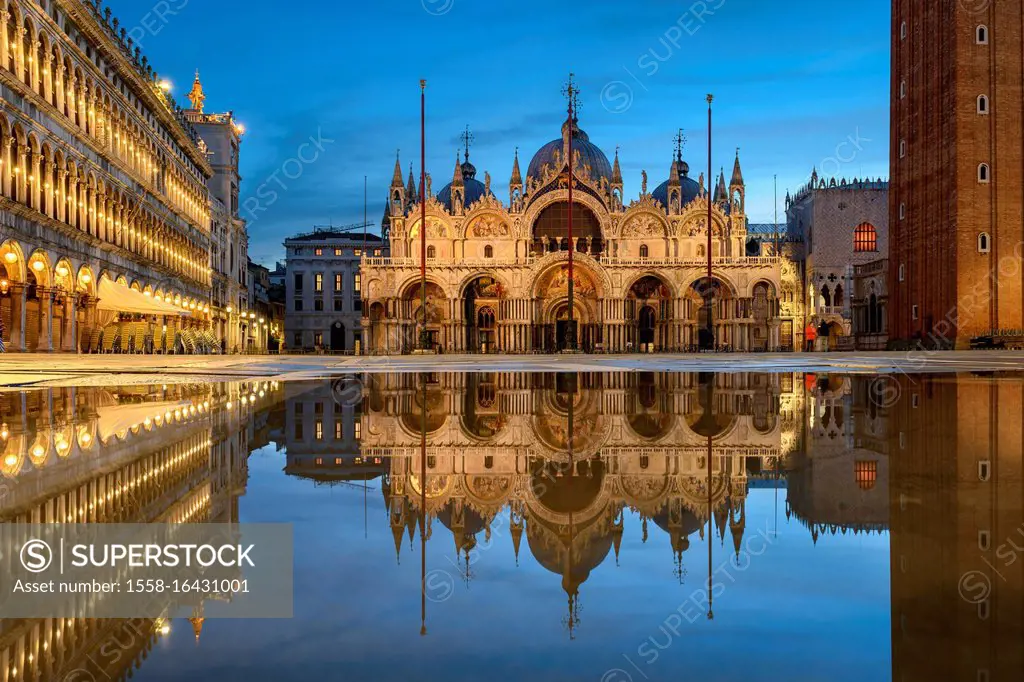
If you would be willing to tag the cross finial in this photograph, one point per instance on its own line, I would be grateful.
(571, 92)
(467, 139)
(680, 140)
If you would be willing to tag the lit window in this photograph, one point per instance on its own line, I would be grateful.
(338, 461)
(337, 252)
(358, 431)
(982, 35)
(358, 252)
(865, 238)
(866, 474)
(358, 285)
(984, 243)
(318, 339)
(338, 432)
(983, 105)
(319, 252)
(319, 430)
(318, 282)
(337, 282)
(319, 461)
(983, 173)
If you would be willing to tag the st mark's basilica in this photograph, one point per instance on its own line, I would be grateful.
(497, 275)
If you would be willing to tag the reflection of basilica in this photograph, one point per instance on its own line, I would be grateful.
(176, 454)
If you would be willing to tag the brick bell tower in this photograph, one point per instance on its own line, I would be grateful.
(957, 171)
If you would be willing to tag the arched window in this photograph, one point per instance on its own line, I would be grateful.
(826, 296)
(903, 148)
(488, 251)
(865, 238)
(431, 253)
(982, 35)
(903, 89)
(903, 211)
(644, 251)
(983, 173)
(982, 104)
(903, 31)
(984, 243)
(902, 272)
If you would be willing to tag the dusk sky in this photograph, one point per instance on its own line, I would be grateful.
(795, 87)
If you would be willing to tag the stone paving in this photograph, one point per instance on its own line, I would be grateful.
(50, 370)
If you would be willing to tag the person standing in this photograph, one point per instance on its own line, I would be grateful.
(810, 337)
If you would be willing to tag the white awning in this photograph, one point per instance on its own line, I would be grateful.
(123, 299)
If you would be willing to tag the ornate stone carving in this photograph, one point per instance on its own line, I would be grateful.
(643, 225)
(488, 226)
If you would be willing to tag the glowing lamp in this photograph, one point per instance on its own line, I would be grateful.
(11, 257)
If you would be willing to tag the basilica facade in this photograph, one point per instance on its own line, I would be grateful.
(497, 275)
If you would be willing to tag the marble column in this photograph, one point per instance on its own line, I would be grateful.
(17, 330)
(45, 344)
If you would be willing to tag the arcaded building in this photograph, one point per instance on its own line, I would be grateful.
(957, 156)
(497, 275)
(105, 211)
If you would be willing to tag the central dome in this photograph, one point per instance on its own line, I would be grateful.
(590, 154)
(474, 189)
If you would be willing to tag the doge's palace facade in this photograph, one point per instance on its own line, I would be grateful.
(497, 273)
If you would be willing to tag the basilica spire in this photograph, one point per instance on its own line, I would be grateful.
(721, 194)
(616, 169)
(517, 176)
(197, 96)
(737, 174)
(396, 178)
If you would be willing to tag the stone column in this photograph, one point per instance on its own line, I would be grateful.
(17, 318)
(69, 337)
(45, 344)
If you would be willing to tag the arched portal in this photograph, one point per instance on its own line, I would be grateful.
(434, 319)
(763, 309)
(715, 298)
(649, 307)
(481, 303)
(552, 294)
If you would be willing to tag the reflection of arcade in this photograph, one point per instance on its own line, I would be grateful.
(566, 455)
(132, 455)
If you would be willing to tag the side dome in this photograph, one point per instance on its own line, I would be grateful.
(690, 187)
(590, 154)
(474, 189)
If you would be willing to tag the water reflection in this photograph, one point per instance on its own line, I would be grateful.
(171, 454)
(690, 471)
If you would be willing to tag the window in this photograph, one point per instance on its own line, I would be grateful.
(298, 283)
(983, 173)
(337, 252)
(338, 461)
(489, 462)
(318, 339)
(338, 430)
(865, 238)
(339, 305)
(318, 305)
(903, 31)
(337, 283)
(983, 470)
(431, 252)
(903, 211)
(865, 474)
(645, 461)
(982, 35)
(358, 430)
(297, 339)
(488, 251)
(913, 312)
(358, 252)
(298, 431)
(376, 252)
(983, 105)
(298, 408)
(902, 272)
(903, 148)
(297, 305)
(903, 89)
(645, 252)
(984, 540)
(319, 461)
(319, 429)
(318, 252)
(318, 282)
(431, 462)
(984, 243)
(358, 284)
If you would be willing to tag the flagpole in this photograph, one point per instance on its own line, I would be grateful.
(570, 334)
(423, 214)
(711, 287)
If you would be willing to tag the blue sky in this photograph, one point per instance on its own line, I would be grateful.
(794, 88)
